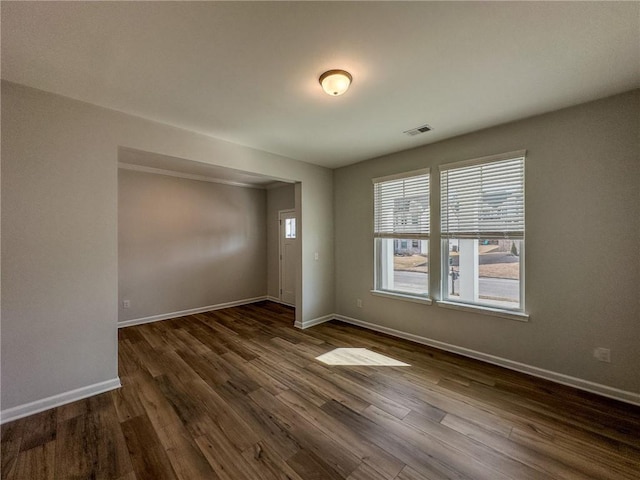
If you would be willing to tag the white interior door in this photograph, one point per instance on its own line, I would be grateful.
(288, 244)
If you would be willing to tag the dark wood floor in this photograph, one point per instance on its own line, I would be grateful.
(238, 394)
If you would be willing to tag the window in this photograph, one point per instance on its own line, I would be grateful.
(401, 233)
(482, 228)
(290, 228)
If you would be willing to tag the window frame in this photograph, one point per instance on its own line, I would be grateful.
(516, 313)
(379, 235)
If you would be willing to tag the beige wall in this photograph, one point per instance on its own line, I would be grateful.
(59, 234)
(185, 244)
(582, 254)
(282, 198)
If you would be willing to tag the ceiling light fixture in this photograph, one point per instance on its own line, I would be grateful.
(335, 82)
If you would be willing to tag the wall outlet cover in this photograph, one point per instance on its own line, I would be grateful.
(602, 354)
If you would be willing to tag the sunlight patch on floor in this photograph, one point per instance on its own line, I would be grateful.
(359, 356)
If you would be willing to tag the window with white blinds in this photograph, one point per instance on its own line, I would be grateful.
(401, 234)
(482, 226)
(401, 205)
(483, 198)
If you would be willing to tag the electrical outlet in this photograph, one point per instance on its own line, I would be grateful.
(316, 256)
(126, 304)
(602, 354)
(359, 302)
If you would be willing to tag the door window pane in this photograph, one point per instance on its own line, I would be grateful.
(290, 228)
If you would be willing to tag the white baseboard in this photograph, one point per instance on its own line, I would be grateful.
(192, 311)
(277, 300)
(604, 390)
(314, 321)
(14, 413)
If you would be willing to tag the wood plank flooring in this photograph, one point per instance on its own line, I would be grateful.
(238, 394)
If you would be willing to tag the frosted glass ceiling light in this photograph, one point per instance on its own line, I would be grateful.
(335, 82)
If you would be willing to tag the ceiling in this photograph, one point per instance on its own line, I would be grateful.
(247, 72)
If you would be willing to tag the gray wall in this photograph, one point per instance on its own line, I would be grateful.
(60, 241)
(282, 198)
(582, 255)
(186, 244)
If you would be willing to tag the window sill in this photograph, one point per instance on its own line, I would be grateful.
(400, 296)
(495, 312)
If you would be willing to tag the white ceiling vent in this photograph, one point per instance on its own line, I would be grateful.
(418, 130)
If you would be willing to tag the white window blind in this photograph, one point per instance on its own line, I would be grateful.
(483, 198)
(401, 205)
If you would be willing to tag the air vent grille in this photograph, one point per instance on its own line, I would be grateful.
(418, 130)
